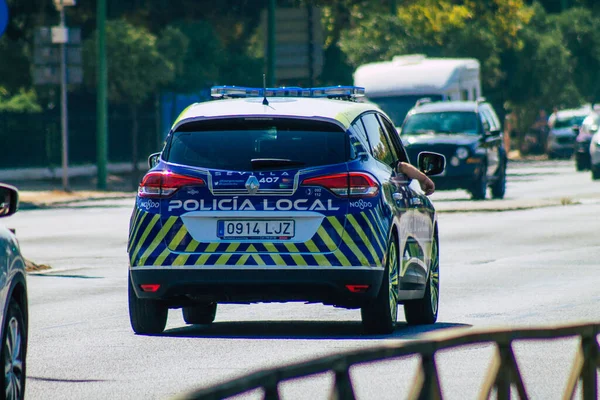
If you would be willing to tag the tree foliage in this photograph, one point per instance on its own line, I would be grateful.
(135, 66)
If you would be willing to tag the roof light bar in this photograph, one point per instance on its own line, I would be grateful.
(346, 92)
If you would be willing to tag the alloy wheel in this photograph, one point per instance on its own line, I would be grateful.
(393, 268)
(13, 360)
(434, 280)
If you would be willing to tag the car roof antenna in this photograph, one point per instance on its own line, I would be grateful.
(265, 101)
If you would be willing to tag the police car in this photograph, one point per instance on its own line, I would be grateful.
(277, 195)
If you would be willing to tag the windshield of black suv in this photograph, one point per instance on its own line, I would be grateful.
(568, 122)
(397, 107)
(246, 144)
(448, 122)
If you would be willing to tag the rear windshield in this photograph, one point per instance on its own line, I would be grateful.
(441, 122)
(245, 144)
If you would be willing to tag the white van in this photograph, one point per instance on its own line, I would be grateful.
(395, 86)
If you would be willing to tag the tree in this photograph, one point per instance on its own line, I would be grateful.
(580, 29)
(136, 69)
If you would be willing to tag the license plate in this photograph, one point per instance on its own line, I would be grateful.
(247, 229)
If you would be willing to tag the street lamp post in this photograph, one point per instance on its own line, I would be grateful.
(60, 35)
(101, 108)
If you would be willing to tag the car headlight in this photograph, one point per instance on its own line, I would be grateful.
(462, 153)
(454, 161)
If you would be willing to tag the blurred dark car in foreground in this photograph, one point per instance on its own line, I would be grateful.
(469, 134)
(588, 128)
(13, 301)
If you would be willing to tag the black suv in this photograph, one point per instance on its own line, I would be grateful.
(469, 134)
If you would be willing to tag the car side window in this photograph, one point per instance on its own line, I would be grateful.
(492, 118)
(380, 147)
(394, 139)
(485, 122)
(359, 132)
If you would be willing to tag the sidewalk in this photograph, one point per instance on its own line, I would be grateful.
(35, 194)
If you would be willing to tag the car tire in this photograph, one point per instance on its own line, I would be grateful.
(380, 316)
(479, 189)
(425, 311)
(499, 186)
(580, 164)
(200, 314)
(13, 353)
(596, 172)
(147, 316)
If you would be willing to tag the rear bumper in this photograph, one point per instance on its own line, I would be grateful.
(186, 285)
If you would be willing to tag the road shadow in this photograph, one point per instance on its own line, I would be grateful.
(317, 330)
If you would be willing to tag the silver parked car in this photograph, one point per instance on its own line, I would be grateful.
(13, 301)
(561, 134)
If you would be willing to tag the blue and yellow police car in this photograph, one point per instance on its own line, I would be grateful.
(277, 195)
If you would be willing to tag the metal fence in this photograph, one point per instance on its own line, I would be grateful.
(34, 140)
(502, 375)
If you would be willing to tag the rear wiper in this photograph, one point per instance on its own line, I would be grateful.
(258, 163)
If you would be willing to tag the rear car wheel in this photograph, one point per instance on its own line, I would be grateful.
(596, 172)
(479, 188)
(200, 314)
(499, 187)
(14, 344)
(380, 316)
(581, 162)
(425, 311)
(146, 316)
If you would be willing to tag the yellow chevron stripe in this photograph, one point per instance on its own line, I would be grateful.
(277, 259)
(157, 239)
(331, 245)
(352, 246)
(149, 227)
(242, 260)
(181, 259)
(298, 259)
(162, 257)
(291, 247)
(207, 253)
(336, 225)
(136, 229)
(177, 238)
(270, 247)
(374, 232)
(225, 257)
(133, 225)
(343, 260)
(251, 249)
(258, 259)
(312, 247)
(322, 260)
(192, 246)
(363, 236)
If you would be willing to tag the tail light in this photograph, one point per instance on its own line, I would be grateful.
(348, 184)
(358, 288)
(159, 184)
(151, 288)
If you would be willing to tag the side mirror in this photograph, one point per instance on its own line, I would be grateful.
(9, 200)
(153, 159)
(431, 163)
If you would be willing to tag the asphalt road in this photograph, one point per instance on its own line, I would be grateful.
(512, 268)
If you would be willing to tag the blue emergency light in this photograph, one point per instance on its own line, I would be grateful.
(331, 92)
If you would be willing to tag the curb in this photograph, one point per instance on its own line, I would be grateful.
(26, 205)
